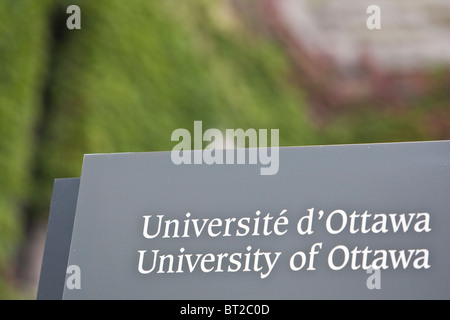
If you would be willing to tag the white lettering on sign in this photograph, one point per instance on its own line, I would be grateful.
(263, 262)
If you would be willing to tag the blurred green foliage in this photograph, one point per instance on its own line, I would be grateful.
(136, 71)
(22, 58)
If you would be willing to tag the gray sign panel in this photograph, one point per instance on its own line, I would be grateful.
(146, 228)
(57, 242)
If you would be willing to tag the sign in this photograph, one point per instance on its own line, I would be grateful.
(363, 221)
(59, 235)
